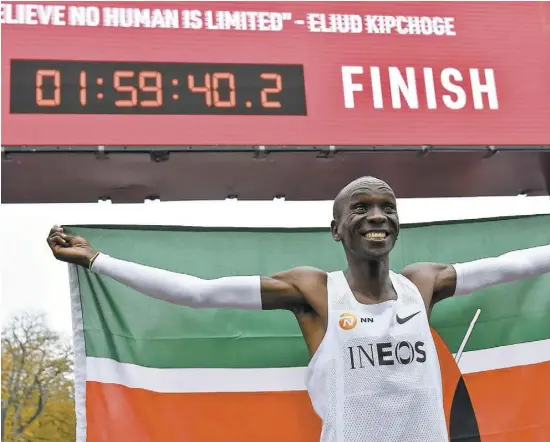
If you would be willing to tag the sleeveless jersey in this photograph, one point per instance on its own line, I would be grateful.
(375, 376)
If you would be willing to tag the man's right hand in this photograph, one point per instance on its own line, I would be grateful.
(69, 248)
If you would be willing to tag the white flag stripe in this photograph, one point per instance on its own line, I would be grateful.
(224, 380)
(505, 357)
(196, 380)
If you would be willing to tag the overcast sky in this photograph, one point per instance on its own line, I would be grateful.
(33, 280)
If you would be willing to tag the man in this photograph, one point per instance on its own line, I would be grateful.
(374, 380)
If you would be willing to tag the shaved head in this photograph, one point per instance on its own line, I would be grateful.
(345, 193)
(367, 206)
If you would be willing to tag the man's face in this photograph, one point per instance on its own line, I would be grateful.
(368, 224)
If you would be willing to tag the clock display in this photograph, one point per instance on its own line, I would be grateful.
(96, 87)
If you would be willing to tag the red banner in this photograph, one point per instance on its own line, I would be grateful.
(281, 73)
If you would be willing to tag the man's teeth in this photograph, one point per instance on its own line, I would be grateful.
(376, 235)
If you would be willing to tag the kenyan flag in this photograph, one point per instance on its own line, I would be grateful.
(152, 371)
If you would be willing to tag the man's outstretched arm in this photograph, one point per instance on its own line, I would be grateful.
(241, 292)
(443, 281)
(512, 266)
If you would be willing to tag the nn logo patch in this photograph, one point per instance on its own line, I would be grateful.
(347, 321)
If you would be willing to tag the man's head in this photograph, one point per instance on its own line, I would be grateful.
(365, 218)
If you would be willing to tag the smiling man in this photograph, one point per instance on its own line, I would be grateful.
(374, 373)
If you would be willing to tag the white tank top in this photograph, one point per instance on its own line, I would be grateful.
(376, 376)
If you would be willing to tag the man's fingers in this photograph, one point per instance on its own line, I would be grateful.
(60, 241)
(50, 240)
(58, 231)
(57, 238)
(55, 229)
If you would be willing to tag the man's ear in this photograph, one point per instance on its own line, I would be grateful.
(334, 230)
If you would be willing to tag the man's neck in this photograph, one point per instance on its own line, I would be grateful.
(370, 278)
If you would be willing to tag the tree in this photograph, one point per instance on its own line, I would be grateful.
(37, 388)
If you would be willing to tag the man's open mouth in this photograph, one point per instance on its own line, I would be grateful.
(375, 236)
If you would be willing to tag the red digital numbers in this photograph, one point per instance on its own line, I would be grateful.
(271, 90)
(83, 86)
(211, 86)
(211, 89)
(157, 88)
(216, 77)
(132, 101)
(48, 102)
(206, 89)
(219, 89)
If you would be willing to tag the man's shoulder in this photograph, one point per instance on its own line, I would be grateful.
(312, 284)
(308, 270)
(306, 279)
(301, 273)
(435, 281)
(422, 270)
(307, 273)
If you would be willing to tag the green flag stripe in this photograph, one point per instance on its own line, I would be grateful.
(244, 352)
(200, 353)
(129, 327)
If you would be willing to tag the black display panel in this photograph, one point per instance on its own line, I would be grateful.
(96, 87)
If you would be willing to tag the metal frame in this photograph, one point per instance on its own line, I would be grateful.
(264, 149)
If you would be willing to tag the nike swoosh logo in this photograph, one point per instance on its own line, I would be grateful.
(406, 318)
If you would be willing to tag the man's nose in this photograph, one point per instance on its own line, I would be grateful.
(376, 216)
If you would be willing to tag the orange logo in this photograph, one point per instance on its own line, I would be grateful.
(347, 321)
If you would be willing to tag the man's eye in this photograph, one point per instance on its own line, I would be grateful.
(388, 208)
(360, 207)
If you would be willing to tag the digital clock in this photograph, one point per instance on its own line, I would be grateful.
(96, 87)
